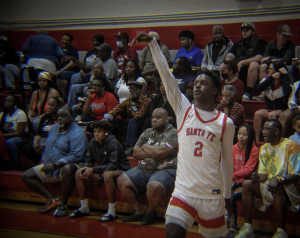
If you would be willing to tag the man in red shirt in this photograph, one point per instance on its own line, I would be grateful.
(123, 53)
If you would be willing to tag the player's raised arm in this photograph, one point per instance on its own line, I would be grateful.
(177, 100)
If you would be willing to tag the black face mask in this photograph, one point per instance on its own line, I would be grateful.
(224, 76)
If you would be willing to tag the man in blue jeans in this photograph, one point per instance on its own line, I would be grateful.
(155, 174)
(134, 110)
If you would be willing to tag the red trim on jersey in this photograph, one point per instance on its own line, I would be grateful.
(179, 203)
(187, 111)
(223, 127)
(211, 224)
(211, 120)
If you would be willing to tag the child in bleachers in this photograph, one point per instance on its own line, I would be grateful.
(296, 126)
(245, 160)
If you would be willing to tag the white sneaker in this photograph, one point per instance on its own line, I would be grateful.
(245, 232)
(280, 234)
(259, 98)
(246, 96)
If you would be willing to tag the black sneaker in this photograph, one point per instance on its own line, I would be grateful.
(129, 152)
(148, 219)
(134, 217)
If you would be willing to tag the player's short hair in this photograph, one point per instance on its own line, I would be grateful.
(214, 78)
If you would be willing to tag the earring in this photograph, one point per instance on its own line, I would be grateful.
(106, 134)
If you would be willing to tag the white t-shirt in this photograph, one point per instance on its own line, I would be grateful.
(11, 121)
(123, 89)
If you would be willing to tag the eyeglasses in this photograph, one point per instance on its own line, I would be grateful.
(97, 85)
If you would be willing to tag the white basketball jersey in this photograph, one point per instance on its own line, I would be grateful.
(199, 154)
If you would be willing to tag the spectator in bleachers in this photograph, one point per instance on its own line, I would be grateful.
(228, 73)
(281, 49)
(66, 69)
(99, 101)
(275, 182)
(80, 90)
(188, 50)
(277, 89)
(123, 53)
(230, 107)
(183, 72)
(293, 106)
(34, 151)
(216, 50)
(84, 75)
(245, 161)
(189, 92)
(155, 174)
(132, 73)
(134, 110)
(160, 100)
(248, 53)
(109, 66)
(149, 71)
(39, 99)
(296, 126)
(111, 161)
(294, 69)
(8, 57)
(65, 148)
(14, 124)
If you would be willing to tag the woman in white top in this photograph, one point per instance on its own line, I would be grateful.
(132, 73)
(14, 125)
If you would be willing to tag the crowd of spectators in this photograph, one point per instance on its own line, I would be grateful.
(123, 96)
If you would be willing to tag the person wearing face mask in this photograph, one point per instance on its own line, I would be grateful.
(247, 52)
(216, 50)
(188, 49)
(228, 73)
(124, 53)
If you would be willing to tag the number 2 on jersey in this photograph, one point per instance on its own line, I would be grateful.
(198, 149)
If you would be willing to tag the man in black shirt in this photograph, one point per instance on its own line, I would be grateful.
(248, 53)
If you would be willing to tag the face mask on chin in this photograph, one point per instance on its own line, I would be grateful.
(97, 47)
(120, 44)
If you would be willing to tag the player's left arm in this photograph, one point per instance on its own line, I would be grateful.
(227, 162)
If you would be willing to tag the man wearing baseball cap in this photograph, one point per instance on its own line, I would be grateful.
(248, 52)
(123, 53)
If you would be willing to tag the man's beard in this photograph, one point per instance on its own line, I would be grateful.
(248, 39)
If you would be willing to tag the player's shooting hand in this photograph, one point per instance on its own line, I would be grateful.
(141, 38)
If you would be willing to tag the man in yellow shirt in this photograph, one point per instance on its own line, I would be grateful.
(276, 181)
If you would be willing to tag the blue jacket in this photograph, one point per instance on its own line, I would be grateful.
(43, 46)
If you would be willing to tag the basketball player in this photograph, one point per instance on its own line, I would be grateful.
(205, 168)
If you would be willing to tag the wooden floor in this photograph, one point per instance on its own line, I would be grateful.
(22, 220)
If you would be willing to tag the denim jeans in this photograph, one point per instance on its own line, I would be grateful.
(66, 75)
(134, 129)
(77, 79)
(14, 145)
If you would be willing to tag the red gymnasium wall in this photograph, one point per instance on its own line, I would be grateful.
(168, 34)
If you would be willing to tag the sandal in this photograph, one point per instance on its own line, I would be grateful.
(50, 205)
(134, 217)
(108, 217)
(78, 213)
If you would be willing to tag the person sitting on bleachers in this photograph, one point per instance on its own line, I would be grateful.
(296, 126)
(293, 105)
(8, 57)
(132, 73)
(248, 53)
(100, 100)
(183, 73)
(245, 161)
(228, 73)
(91, 55)
(230, 107)
(39, 99)
(149, 71)
(15, 126)
(276, 181)
(66, 69)
(188, 50)
(134, 110)
(34, 151)
(124, 53)
(155, 174)
(160, 100)
(216, 50)
(65, 148)
(277, 90)
(111, 161)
